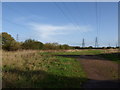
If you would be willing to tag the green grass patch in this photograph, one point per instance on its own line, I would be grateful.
(112, 56)
(42, 70)
(46, 69)
(64, 73)
(84, 52)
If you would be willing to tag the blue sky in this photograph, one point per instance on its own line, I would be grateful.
(65, 23)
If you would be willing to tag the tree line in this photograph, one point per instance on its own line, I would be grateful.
(7, 42)
(10, 44)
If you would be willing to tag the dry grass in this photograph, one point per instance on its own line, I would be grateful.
(16, 63)
(30, 68)
(15, 59)
(111, 50)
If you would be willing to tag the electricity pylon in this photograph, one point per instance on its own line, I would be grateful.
(96, 42)
(83, 43)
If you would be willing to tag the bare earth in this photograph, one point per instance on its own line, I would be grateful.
(100, 72)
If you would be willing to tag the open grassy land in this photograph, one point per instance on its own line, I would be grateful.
(112, 56)
(38, 69)
(47, 69)
(79, 52)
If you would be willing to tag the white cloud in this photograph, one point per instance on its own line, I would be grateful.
(48, 32)
(24, 19)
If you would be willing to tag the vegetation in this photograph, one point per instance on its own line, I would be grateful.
(112, 56)
(43, 69)
(10, 44)
(6, 37)
(38, 69)
(56, 46)
(80, 52)
(32, 44)
(33, 64)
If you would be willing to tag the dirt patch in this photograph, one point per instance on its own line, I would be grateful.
(100, 72)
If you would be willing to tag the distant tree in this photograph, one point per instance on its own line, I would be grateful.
(65, 46)
(6, 38)
(56, 46)
(75, 47)
(8, 42)
(50, 46)
(32, 44)
(90, 47)
(0, 41)
(12, 46)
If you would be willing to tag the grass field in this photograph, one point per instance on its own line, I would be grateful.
(43, 69)
(112, 56)
(36, 69)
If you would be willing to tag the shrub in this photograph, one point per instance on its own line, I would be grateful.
(6, 38)
(8, 42)
(65, 46)
(51, 46)
(11, 46)
(32, 44)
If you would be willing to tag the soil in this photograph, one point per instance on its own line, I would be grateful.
(101, 73)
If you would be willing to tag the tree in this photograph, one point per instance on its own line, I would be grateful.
(8, 42)
(6, 38)
(51, 46)
(90, 47)
(32, 44)
(11, 46)
(65, 46)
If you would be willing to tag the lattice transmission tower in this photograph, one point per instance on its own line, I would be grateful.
(83, 43)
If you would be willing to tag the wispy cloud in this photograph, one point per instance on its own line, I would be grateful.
(24, 19)
(49, 31)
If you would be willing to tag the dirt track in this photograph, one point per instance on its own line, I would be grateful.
(100, 72)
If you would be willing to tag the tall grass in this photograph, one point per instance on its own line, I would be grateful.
(39, 70)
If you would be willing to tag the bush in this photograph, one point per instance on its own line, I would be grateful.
(55, 46)
(8, 42)
(65, 46)
(5, 37)
(51, 46)
(32, 44)
(11, 46)
(90, 47)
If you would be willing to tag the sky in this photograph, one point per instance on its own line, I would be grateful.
(62, 22)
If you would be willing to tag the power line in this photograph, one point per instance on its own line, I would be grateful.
(22, 26)
(70, 14)
(14, 10)
(97, 24)
(96, 17)
(20, 13)
(65, 15)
